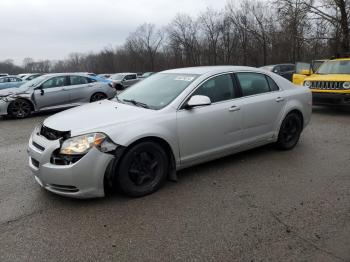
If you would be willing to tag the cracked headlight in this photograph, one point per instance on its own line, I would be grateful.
(80, 145)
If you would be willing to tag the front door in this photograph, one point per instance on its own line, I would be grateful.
(206, 132)
(51, 93)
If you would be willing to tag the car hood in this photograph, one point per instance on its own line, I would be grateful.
(12, 91)
(95, 117)
(330, 77)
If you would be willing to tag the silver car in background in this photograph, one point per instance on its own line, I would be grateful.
(122, 81)
(169, 121)
(52, 91)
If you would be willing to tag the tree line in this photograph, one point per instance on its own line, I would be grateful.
(250, 32)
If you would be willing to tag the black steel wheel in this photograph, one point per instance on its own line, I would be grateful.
(143, 169)
(20, 108)
(290, 131)
(97, 97)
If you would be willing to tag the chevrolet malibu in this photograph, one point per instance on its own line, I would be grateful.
(169, 121)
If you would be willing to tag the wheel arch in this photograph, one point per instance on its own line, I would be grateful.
(167, 148)
(22, 98)
(120, 153)
(97, 92)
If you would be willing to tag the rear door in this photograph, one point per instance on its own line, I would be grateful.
(51, 93)
(79, 89)
(262, 106)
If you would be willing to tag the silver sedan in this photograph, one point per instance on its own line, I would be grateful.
(52, 91)
(169, 121)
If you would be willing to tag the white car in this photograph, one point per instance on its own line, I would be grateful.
(169, 121)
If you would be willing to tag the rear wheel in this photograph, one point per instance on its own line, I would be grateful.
(97, 97)
(143, 169)
(20, 108)
(290, 131)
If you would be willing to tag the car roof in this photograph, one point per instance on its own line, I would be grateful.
(201, 70)
(10, 76)
(66, 74)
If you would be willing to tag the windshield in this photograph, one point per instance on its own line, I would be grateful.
(335, 67)
(158, 90)
(35, 81)
(117, 77)
(147, 74)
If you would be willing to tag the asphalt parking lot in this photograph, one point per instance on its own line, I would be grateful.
(260, 205)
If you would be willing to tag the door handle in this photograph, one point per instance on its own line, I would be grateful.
(279, 99)
(234, 108)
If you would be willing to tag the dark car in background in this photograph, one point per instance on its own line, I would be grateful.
(284, 70)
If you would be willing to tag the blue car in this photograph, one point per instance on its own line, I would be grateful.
(10, 82)
(102, 79)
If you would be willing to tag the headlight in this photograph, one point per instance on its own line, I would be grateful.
(346, 85)
(307, 83)
(80, 145)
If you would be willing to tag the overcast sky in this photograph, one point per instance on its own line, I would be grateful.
(54, 28)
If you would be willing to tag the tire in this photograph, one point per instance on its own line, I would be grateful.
(290, 131)
(142, 170)
(119, 87)
(97, 97)
(20, 108)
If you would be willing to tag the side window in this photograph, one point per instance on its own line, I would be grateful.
(253, 83)
(218, 89)
(78, 80)
(13, 79)
(3, 80)
(272, 84)
(284, 68)
(277, 69)
(54, 82)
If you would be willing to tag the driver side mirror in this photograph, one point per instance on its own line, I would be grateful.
(41, 90)
(198, 100)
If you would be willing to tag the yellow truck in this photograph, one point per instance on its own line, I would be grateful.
(330, 83)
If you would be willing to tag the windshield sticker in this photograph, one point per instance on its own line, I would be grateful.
(184, 78)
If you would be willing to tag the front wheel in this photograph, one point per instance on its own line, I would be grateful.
(290, 131)
(20, 108)
(143, 169)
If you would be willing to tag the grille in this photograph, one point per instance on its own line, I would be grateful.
(327, 85)
(52, 134)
